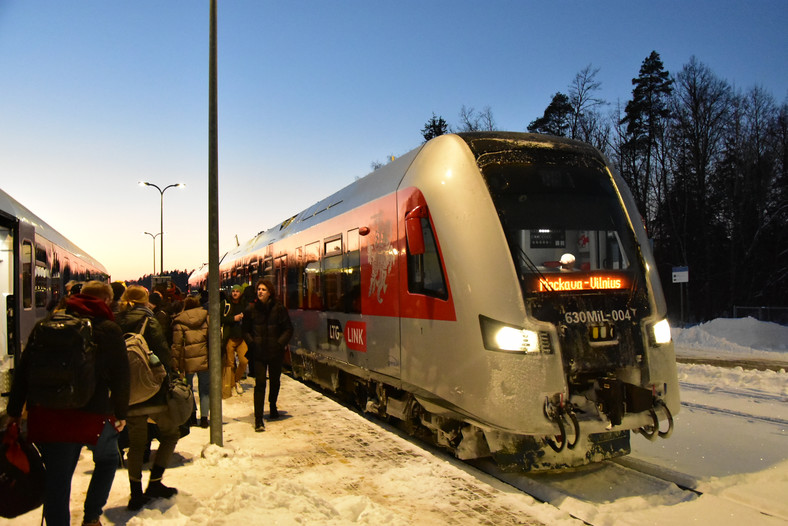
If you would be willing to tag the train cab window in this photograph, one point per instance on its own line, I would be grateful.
(425, 274)
(332, 273)
(562, 216)
(27, 275)
(313, 297)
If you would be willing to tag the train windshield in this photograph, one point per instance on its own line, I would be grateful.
(565, 224)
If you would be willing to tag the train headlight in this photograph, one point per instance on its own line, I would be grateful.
(498, 336)
(661, 332)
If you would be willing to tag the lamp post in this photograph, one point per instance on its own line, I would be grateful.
(161, 226)
(153, 238)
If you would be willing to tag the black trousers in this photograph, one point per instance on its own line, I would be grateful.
(271, 368)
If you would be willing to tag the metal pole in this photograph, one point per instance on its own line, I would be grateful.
(161, 215)
(153, 238)
(214, 315)
(161, 231)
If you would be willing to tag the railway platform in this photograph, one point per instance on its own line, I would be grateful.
(319, 463)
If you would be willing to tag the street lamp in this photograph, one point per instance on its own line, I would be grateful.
(153, 238)
(161, 226)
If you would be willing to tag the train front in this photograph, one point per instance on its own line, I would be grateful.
(585, 357)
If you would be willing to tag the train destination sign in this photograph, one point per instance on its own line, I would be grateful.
(581, 282)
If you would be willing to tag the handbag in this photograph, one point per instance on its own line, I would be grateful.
(180, 400)
(22, 475)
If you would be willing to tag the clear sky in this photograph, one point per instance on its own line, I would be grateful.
(96, 95)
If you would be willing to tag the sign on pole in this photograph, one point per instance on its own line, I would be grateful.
(680, 274)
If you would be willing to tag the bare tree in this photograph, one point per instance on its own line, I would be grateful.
(583, 100)
(472, 120)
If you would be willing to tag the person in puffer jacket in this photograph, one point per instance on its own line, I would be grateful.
(134, 309)
(190, 350)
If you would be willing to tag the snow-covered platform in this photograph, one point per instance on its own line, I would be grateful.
(319, 464)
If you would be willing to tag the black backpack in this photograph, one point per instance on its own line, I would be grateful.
(61, 362)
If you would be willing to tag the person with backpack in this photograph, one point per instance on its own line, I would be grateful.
(190, 350)
(134, 310)
(85, 331)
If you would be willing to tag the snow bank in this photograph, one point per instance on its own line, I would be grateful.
(744, 338)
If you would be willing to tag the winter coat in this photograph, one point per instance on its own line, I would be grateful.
(110, 397)
(230, 327)
(131, 321)
(267, 329)
(190, 341)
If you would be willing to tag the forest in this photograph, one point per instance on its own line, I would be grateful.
(706, 164)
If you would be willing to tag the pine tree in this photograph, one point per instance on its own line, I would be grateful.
(555, 120)
(645, 117)
(434, 127)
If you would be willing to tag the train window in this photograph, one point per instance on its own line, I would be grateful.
(42, 277)
(295, 296)
(561, 216)
(313, 296)
(351, 301)
(268, 268)
(332, 273)
(425, 274)
(27, 275)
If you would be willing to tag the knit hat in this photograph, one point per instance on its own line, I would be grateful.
(236, 287)
(135, 294)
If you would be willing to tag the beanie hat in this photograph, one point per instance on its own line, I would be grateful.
(135, 294)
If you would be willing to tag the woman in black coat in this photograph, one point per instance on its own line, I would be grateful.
(267, 330)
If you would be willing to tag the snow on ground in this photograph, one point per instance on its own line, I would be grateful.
(324, 464)
(739, 338)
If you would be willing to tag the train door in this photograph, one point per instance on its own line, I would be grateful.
(280, 265)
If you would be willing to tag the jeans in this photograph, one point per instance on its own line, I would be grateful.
(138, 441)
(203, 389)
(60, 459)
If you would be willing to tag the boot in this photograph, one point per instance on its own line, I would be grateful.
(273, 414)
(259, 426)
(138, 499)
(203, 421)
(155, 488)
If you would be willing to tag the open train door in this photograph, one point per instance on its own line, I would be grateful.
(9, 323)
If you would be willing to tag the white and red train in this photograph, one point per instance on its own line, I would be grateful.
(495, 290)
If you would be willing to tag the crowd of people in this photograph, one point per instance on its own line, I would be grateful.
(256, 329)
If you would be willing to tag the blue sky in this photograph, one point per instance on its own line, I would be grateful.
(97, 95)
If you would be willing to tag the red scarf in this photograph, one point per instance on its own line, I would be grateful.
(89, 306)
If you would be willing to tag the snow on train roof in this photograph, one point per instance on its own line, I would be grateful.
(13, 209)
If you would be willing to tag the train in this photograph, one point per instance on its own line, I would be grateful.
(36, 263)
(494, 293)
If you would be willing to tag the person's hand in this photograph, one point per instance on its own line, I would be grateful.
(119, 425)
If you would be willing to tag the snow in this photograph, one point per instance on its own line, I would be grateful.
(322, 464)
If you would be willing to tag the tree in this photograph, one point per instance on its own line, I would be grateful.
(555, 120)
(645, 117)
(700, 112)
(434, 127)
(472, 120)
(583, 103)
